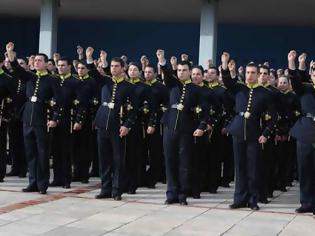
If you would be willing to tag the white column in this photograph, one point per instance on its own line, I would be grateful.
(208, 32)
(48, 27)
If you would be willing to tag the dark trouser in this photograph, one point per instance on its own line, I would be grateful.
(246, 161)
(94, 154)
(82, 147)
(62, 146)
(198, 160)
(227, 160)
(16, 144)
(282, 164)
(155, 155)
(135, 166)
(35, 140)
(306, 167)
(111, 154)
(214, 159)
(267, 169)
(3, 149)
(178, 148)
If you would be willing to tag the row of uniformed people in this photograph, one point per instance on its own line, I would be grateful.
(62, 167)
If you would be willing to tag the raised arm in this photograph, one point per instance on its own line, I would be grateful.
(19, 71)
(229, 83)
(93, 72)
(169, 79)
(296, 82)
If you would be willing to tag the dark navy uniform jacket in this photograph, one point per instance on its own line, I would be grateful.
(304, 128)
(35, 110)
(261, 103)
(183, 120)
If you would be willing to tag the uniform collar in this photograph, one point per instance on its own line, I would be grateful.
(213, 84)
(284, 92)
(201, 84)
(63, 77)
(41, 73)
(266, 85)
(134, 80)
(84, 77)
(252, 86)
(185, 82)
(151, 82)
(118, 80)
(1, 71)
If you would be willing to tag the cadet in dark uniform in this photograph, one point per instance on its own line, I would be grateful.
(135, 163)
(269, 148)
(304, 132)
(200, 143)
(16, 143)
(285, 152)
(83, 137)
(251, 101)
(5, 88)
(153, 138)
(179, 128)
(72, 117)
(40, 88)
(113, 121)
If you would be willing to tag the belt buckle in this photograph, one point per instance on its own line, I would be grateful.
(33, 99)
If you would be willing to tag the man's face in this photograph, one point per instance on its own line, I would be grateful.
(39, 63)
(63, 67)
(149, 73)
(183, 72)
(50, 66)
(23, 64)
(133, 72)
(283, 84)
(115, 68)
(251, 74)
(197, 76)
(263, 76)
(184, 57)
(212, 75)
(100, 69)
(82, 70)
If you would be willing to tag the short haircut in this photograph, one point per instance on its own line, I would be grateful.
(285, 77)
(185, 63)
(214, 68)
(199, 67)
(43, 55)
(252, 64)
(118, 59)
(151, 66)
(265, 68)
(69, 62)
(82, 62)
(24, 59)
(134, 64)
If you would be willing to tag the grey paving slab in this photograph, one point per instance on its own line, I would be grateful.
(301, 225)
(73, 231)
(260, 223)
(26, 228)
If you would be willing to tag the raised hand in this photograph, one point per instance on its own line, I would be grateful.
(89, 53)
(225, 60)
(161, 56)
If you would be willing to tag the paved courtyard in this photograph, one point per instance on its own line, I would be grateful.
(75, 212)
